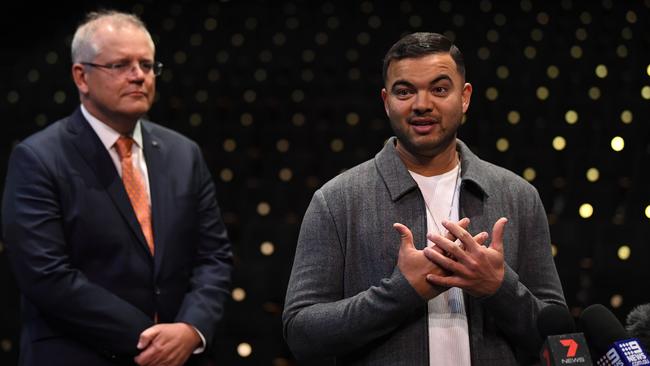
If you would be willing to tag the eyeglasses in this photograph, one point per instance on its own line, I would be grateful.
(123, 68)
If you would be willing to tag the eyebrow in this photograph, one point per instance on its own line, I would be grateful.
(432, 82)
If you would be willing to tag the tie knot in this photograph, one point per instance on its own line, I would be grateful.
(123, 146)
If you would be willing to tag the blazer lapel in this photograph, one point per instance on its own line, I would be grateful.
(154, 152)
(93, 152)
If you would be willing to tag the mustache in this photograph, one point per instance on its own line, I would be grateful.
(420, 117)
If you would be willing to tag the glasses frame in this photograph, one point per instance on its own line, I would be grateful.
(156, 67)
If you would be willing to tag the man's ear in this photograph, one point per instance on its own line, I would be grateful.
(466, 96)
(79, 76)
(384, 97)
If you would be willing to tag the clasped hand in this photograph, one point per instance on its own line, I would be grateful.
(469, 265)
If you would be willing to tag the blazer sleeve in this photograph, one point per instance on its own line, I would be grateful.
(203, 305)
(33, 231)
(533, 285)
(318, 321)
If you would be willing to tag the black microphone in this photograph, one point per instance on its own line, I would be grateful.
(609, 340)
(638, 324)
(562, 345)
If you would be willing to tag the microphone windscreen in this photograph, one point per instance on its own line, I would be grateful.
(601, 328)
(638, 324)
(554, 320)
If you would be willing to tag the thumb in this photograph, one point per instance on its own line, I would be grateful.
(406, 236)
(497, 234)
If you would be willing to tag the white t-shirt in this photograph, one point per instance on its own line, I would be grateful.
(447, 318)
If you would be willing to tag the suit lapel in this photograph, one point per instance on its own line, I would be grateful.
(154, 153)
(90, 147)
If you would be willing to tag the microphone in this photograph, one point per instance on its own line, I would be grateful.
(608, 338)
(562, 345)
(638, 324)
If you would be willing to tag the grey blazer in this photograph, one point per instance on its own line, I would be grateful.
(347, 299)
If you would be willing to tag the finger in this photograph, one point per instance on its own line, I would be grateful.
(406, 236)
(447, 246)
(147, 336)
(464, 223)
(443, 261)
(466, 238)
(497, 234)
(481, 238)
(444, 281)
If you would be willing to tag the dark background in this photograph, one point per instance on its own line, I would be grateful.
(284, 95)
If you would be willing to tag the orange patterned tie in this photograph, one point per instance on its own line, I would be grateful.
(135, 188)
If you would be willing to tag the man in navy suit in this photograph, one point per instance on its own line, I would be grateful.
(109, 276)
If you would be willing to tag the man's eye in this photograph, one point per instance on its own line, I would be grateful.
(146, 66)
(119, 66)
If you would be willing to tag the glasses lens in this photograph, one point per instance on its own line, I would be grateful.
(157, 68)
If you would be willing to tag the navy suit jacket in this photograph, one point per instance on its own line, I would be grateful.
(90, 285)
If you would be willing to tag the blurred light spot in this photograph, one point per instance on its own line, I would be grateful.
(210, 24)
(246, 119)
(626, 117)
(263, 208)
(529, 174)
(645, 92)
(201, 96)
(553, 250)
(576, 52)
(297, 96)
(229, 145)
(559, 143)
(285, 174)
(536, 34)
(542, 93)
(630, 16)
(238, 294)
(621, 51)
(492, 93)
(34, 75)
(581, 34)
(647, 211)
(502, 72)
(244, 349)
(298, 119)
(51, 57)
(337, 145)
(59, 97)
(618, 143)
(267, 248)
(513, 117)
(624, 252)
(483, 53)
(13, 97)
(616, 301)
(530, 52)
(226, 175)
(552, 72)
(594, 93)
(586, 210)
(249, 96)
(282, 145)
(352, 119)
(571, 117)
(502, 144)
(492, 36)
(592, 174)
(6, 345)
(180, 57)
(601, 71)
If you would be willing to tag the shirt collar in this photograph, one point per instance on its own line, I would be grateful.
(107, 135)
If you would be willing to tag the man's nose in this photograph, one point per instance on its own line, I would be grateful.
(423, 102)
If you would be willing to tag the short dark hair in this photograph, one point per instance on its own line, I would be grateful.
(421, 44)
